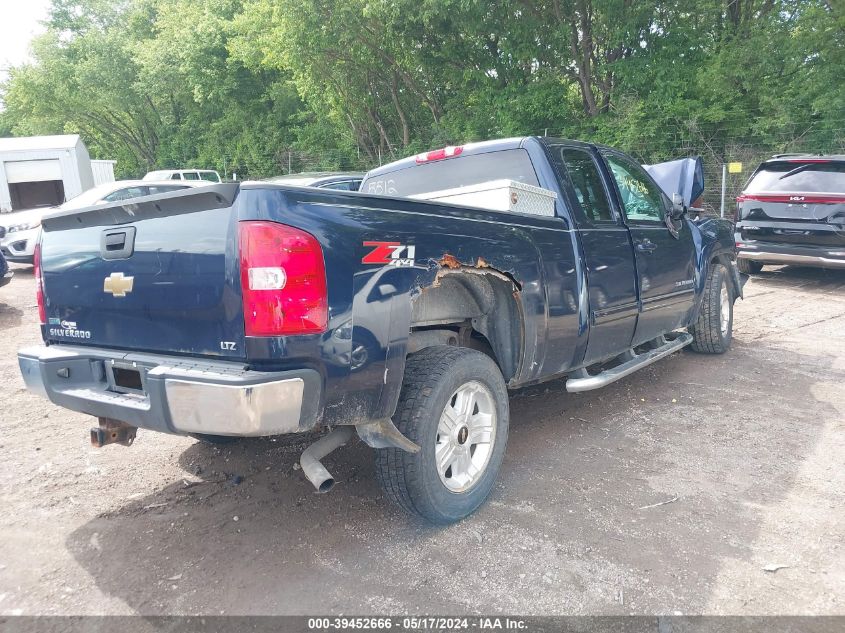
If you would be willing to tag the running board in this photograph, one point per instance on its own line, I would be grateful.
(585, 382)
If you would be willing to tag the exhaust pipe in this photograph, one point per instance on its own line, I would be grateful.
(311, 456)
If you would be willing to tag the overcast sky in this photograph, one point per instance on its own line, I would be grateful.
(18, 24)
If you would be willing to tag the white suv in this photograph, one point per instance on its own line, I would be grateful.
(184, 174)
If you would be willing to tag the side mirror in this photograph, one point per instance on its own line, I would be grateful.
(678, 206)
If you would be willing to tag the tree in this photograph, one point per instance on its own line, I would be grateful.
(263, 86)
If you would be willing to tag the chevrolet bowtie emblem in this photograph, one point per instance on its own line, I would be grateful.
(118, 285)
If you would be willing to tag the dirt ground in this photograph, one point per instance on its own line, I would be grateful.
(668, 492)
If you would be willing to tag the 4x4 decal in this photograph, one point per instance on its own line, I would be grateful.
(389, 253)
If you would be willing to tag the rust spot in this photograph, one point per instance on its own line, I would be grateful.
(449, 261)
(482, 263)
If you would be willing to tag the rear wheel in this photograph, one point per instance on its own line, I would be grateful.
(748, 267)
(454, 405)
(713, 330)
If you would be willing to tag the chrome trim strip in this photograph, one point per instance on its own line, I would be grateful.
(785, 258)
(615, 313)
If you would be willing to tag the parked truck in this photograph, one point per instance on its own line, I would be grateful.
(256, 309)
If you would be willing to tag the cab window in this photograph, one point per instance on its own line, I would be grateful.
(586, 181)
(462, 171)
(191, 175)
(642, 199)
(176, 176)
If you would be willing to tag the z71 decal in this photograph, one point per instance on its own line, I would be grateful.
(389, 253)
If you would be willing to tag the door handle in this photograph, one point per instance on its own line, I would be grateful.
(117, 243)
(646, 246)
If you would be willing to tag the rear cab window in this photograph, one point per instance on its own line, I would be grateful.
(460, 171)
(587, 182)
(796, 175)
(191, 175)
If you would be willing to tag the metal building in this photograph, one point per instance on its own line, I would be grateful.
(42, 171)
(103, 171)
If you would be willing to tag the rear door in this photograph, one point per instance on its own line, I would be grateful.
(156, 275)
(611, 275)
(664, 250)
(798, 202)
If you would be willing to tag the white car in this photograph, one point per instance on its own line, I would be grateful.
(184, 174)
(19, 231)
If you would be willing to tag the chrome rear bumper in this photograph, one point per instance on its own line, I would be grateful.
(176, 395)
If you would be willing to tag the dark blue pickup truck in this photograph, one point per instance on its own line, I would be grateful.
(257, 309)
(5, 274)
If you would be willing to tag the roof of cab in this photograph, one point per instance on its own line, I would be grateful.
(482, 147)
(468, 149)
(316, 177)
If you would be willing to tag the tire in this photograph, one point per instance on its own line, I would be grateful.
(748, 267)
(713, 330)
(437, 378)
(215, 440)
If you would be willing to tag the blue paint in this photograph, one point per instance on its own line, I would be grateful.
(586, 292)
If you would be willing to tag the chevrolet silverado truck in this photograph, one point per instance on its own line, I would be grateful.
(256, 309)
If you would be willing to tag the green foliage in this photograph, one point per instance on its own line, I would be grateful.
(263, 86)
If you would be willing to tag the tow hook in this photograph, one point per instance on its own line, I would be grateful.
(112, 432)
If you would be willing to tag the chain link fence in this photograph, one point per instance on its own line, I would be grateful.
(717, 147)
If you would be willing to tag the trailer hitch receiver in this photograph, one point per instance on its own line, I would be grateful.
(112, 432)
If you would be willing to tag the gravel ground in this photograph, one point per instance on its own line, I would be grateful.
(668, 492)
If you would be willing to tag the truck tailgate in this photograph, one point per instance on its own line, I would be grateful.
(158, 274)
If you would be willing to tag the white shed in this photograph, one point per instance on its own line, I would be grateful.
(42, 171)
(103, 171)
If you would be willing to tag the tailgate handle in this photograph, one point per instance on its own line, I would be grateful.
(117, 243)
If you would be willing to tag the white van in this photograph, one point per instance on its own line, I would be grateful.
(184, 174)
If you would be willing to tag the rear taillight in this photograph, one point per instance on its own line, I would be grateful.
(439, 154)
(283, 280)
(39, 284)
